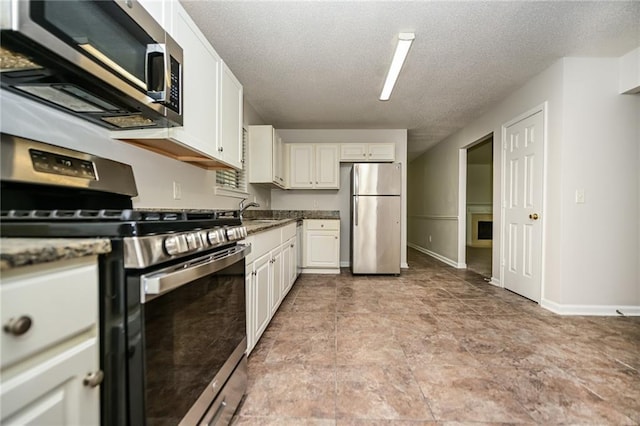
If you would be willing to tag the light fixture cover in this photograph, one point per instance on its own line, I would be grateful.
(402, 49)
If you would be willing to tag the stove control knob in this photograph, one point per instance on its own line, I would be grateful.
(193, 241)
(204, 238)
(216, 236)
(176, 244)
(236, 233)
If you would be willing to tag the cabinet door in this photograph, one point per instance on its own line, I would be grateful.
(381, 152)
(286, 269)
(276, 279)
(293, 262)
(230, 146)
(155, 9)
(353, 152)
(298, 250)
(301, 175)
(261, 305)
(278, 155)
(200, 87)
(327, 167)
(52, 392)
(249, 297)
(322, 249)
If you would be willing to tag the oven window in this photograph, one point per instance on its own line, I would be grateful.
(189, 334)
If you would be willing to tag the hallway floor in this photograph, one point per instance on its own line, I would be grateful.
(437, 346)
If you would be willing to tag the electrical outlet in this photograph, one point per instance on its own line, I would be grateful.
(315, 204)
(429, 238)
(177, 190)
(579, 196)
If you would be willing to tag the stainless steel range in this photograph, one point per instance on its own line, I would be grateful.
(172, 295)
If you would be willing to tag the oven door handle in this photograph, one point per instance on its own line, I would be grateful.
(165, 280)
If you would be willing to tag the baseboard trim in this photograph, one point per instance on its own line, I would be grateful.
(495, 281)
(595, 310)
(347, 264)
(320, 271)
(440, 257)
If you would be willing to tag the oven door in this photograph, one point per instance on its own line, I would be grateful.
(192, 337)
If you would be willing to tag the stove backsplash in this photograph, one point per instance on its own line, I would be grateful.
(154, 174)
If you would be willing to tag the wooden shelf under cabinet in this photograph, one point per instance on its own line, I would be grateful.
(177, 152)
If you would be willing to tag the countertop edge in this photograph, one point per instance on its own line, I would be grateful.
(17, 252)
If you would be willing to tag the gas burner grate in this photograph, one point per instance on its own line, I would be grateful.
(53, 215)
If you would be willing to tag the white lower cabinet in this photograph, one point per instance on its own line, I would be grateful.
(321, 250)
(277, 282)
(50, 362)
(269, 277)
(261, 303)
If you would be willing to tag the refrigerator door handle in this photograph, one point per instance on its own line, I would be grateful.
(355, 210)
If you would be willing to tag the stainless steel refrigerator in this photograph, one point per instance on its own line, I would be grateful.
(375, 218)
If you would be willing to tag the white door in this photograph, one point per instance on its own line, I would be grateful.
(522, 201)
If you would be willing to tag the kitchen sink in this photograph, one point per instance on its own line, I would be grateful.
(262, 221)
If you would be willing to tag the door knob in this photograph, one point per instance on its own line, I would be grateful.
(534, 216)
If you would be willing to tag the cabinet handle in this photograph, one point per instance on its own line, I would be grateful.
(93, 379)
(18, 326)
(221, 149)
(335, 238)
(291, 245)
(310, 183)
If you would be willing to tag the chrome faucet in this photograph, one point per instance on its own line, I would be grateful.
(243, 207)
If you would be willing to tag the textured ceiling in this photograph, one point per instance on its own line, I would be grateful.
(321, 64)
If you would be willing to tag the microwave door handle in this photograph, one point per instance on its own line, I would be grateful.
(159, 283)
(157, 70)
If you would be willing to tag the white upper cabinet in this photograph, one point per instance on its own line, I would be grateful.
(211, 135)
(230, 141)
(314, 166)
(265, 156)
(200, 90)
(156, 10)
(301, 166)
(361, 152)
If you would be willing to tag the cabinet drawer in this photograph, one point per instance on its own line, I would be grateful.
(60, 299)
(322, 224)
(264, 242)
(288, 232)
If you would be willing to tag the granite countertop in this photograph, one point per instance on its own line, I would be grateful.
(259, 225)
(15, 252)
(262, 220)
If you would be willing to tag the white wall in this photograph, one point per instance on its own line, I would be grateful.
(339, 200)
(592, 143)
(154, 173)
(600, 156)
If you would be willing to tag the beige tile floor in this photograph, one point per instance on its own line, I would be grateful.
(437, 346)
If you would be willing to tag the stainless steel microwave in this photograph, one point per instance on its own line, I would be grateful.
(107, 61)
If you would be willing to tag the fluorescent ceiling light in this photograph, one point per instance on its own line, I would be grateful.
(402, 49)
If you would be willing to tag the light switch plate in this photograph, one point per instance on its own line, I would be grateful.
(579, 196)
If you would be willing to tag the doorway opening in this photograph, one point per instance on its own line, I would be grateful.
(479, 207)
